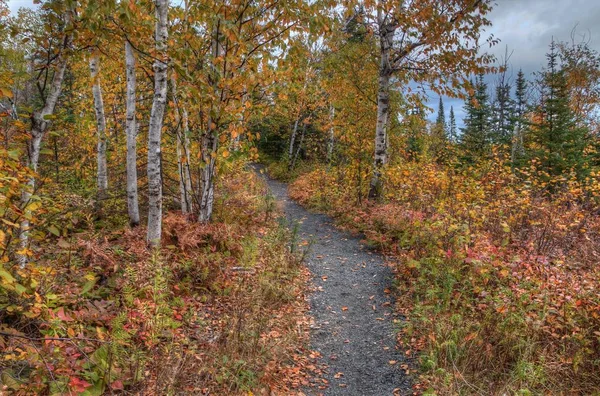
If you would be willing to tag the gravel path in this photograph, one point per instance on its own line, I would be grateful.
(351, 306)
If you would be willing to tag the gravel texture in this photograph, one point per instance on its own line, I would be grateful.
(351, 306)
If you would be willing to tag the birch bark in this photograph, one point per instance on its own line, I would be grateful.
(131, 133)
(209, 140)
(183, 149)
(383, 106)
(39, 125)
(102, 172)
(154, 231)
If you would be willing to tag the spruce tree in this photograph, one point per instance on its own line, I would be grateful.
(439, 138)
(452, 132)
(502, 114)
(441, 117)
(559, 142)
(475, 137)
(518, 119)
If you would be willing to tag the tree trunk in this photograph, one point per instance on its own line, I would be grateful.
(207, 189)
(39, 125)
(209, 140)
(156, 123)
(183, 158)
(292, 143)
(383, 110)
(102, 173)
(131, 133)
(299, 147)
(518, 148)
(331, 140)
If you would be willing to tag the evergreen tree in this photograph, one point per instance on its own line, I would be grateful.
(415, 126)
(502, 114)
(438, 135)
(518, 118)
(559, 142)
(441, 117)
(452, 126)
(475, 134)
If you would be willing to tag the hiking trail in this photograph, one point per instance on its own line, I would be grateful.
(351, 305)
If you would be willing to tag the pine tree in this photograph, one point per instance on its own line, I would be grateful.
(558, 141)
(441, 117)
(439, 137)
(502, 114)
(518, 118)
(452, 126)
(475, 134)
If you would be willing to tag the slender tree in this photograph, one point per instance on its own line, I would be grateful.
(131, 133)
(475, 137)
(40, 120)
(426, 41)
(519, 122)
(559, 140)
(183, 150)
(102, 169)
(156, 123)
(441, 117)
(452, 131)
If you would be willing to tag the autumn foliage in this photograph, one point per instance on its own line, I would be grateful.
(216, 310)
(498, 282)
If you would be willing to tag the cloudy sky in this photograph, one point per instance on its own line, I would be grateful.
(524, 27)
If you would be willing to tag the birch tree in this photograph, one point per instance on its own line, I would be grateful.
(102, 172)
(183, 150)
(331, 137)
(241, 36)
(40, 120)
(156, 123)
(131, 133)
(429, 42)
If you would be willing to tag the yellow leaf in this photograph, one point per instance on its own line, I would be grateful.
(225, 153)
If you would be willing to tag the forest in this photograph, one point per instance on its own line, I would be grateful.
(255, 197)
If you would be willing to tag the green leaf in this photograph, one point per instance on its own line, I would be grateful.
(6, 276)
(52, 229)
(88, 286)
(20, 289)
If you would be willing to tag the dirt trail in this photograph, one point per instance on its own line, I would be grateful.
(351, 306)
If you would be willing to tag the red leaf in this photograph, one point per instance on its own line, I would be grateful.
(63, 316)
(117, 385)
(78, 385)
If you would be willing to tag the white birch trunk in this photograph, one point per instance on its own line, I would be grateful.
(182, 151)
(299, 146)
(298, 119)
(293, 142)
(209, 143)
(383, 109)
(39, 125)
(331, 140)
(156, 123)
(102, 172)
(131, 133)
(207, 188)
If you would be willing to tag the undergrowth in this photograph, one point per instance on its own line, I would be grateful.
(217, 310)
(498, 282)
